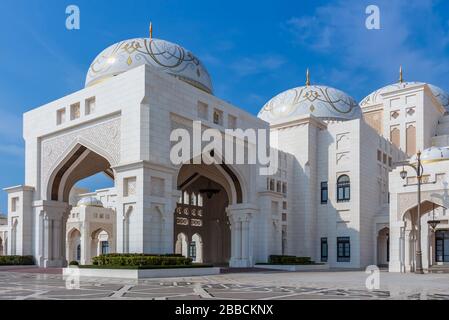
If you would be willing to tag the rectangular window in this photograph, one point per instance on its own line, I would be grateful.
(324, 249)
(192, 250)
(14, 204)
(232, 122)
(324, 192)
(75, 112)
(218, 117)
(60, 116)
(343, 249)
(203, 110)
(89, 106)
(104, 247)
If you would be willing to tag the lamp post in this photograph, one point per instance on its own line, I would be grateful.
(419, 173)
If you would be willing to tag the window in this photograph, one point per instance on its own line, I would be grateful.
(60, 116)
(284, 205)
(284, 217)
(324, 193)
(89, 106)
(203, 110)
(78, 252)
(442, 246)
(284, 188)
(75, 112)
(343, 189)
(218, 117)
(192, 250)
(343, 249)
(324, 249)
(14, 204)
(232, 122)
(104, 247)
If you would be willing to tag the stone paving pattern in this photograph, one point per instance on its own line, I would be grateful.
(32, 284)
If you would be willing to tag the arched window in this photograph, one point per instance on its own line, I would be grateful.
(193, 199)
(186, 198)
(343, 189)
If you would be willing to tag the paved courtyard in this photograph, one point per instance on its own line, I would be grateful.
(30, 284)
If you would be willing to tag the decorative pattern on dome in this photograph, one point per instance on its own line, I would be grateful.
(320, 101)
(433, 154)
(163, 55)
(89, 202)
(375, 97)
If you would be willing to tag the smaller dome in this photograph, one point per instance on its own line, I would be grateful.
(89, 202)
(433, 154)
(323, 102)
(376, 96)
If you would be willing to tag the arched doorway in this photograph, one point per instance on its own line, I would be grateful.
(74, 246)
(429, 210)
(201, 214)
(383, 247)
(181, 246)
(100, 243)
(78, 164)
(196, 251)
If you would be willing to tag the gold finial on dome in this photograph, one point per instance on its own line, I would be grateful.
(151, 30)
(401, 78)
(307, 77)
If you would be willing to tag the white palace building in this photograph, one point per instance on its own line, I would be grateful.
(337, 197)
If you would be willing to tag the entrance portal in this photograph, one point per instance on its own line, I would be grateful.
(202, 228)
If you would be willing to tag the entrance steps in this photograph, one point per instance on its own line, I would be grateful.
(439, 269)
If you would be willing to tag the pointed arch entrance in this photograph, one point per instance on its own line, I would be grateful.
(201, 214)
(78, 163)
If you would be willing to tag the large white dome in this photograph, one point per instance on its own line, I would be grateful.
(323, 102)
(376, 96)
(163, 55)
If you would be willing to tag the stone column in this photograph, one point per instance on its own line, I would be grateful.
(240, 216)
(50, 233)
(85, 242)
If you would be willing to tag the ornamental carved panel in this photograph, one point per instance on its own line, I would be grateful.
(104, 136)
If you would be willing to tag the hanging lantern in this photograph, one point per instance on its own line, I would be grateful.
(433, 223)
(209, 191)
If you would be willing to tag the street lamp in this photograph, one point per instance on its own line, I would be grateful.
(419, 169)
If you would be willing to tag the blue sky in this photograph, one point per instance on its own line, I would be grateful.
(252, 51)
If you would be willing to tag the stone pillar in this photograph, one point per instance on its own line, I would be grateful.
(50, 233)
(241, 217)
(85, 242)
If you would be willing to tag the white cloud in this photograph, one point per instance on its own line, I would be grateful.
(412, 34)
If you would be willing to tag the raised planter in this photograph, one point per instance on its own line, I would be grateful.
(294, 267)
(140, 273)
